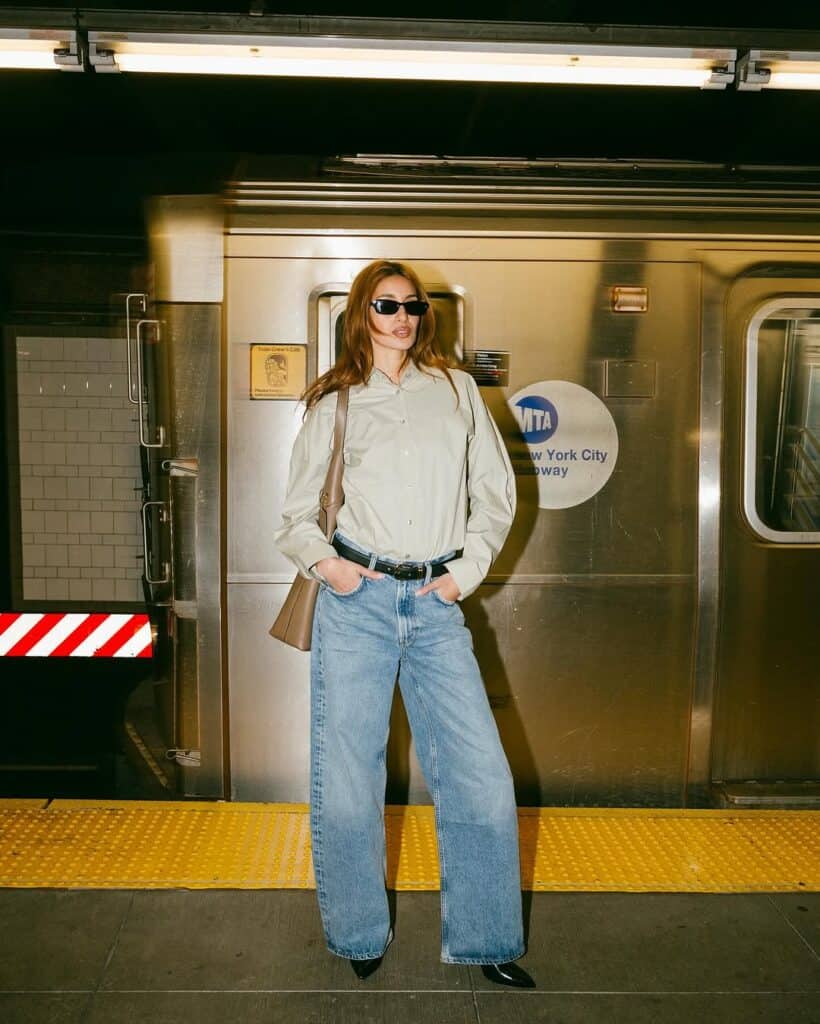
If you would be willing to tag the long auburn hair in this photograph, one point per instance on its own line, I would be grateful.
(355, 361)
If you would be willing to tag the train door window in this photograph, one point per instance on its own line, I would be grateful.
(447, 306)
(782, 429)
(75, 474)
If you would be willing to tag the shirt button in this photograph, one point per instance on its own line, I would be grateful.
(409, 522)
(402, 420)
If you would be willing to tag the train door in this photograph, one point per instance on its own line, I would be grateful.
(269, 329)
(586, 628)
(767, 715)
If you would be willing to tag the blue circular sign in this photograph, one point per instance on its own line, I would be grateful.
(537, 418)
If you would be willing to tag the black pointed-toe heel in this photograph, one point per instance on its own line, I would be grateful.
(507, 974)
(364, 968)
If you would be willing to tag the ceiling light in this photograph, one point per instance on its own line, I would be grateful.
(778, 69)
(432, 60)
(39, 49)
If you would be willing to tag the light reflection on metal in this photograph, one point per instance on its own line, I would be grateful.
(708, 497)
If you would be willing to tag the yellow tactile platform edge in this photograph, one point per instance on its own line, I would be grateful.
(167, 845)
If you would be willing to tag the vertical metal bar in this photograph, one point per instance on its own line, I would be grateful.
(782, 411)
(159, 443)
(699, 757)
(142, 300)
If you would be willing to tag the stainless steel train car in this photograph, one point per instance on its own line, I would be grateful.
(648, 341)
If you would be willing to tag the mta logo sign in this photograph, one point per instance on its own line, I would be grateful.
(537, 418)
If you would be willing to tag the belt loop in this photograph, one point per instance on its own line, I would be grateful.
(428, 573)
(373, 560)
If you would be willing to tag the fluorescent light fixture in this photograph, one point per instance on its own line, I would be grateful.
(431, 60)
(776, 69)
(39, 49)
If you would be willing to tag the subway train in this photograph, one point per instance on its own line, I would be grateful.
(647, 338)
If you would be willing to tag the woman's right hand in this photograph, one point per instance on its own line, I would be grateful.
(343, 575)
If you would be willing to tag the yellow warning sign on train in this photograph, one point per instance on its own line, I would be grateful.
(278, 371)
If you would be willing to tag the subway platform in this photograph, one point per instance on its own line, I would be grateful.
(134, 911)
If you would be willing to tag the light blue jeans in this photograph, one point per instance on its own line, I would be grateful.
(361, 640)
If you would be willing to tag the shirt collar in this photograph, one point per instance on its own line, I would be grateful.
(412, 378)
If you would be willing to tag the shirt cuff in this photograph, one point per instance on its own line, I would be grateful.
(315, 552)
(467, 575)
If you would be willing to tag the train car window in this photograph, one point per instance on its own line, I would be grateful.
(449, 311)
(782, 435)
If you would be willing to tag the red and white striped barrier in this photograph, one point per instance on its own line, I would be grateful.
(74, 635)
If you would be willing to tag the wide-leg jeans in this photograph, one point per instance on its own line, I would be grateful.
(361, 640)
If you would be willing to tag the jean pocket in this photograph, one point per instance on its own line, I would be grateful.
(346, 593)
(442, 600)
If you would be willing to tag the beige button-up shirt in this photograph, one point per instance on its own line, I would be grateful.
(421, 477)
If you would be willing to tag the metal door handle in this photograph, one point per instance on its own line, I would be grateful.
(159, 443)
(141, 305)
(147, 561)
(181, 467)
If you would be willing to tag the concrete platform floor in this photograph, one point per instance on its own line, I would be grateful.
(165, 957)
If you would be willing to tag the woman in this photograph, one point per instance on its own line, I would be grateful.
(429, 500)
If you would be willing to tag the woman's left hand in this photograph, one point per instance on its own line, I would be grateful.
(445, 584)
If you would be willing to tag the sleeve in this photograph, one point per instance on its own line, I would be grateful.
(491, 496)
(299, 537)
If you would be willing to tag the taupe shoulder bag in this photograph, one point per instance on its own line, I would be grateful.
(294, 623)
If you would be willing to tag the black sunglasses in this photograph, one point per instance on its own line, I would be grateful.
(387, 307)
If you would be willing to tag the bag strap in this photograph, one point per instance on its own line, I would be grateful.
(332, 497)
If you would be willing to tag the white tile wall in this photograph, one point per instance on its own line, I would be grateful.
(79, 471)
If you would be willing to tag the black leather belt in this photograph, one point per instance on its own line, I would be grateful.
(399, 570)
